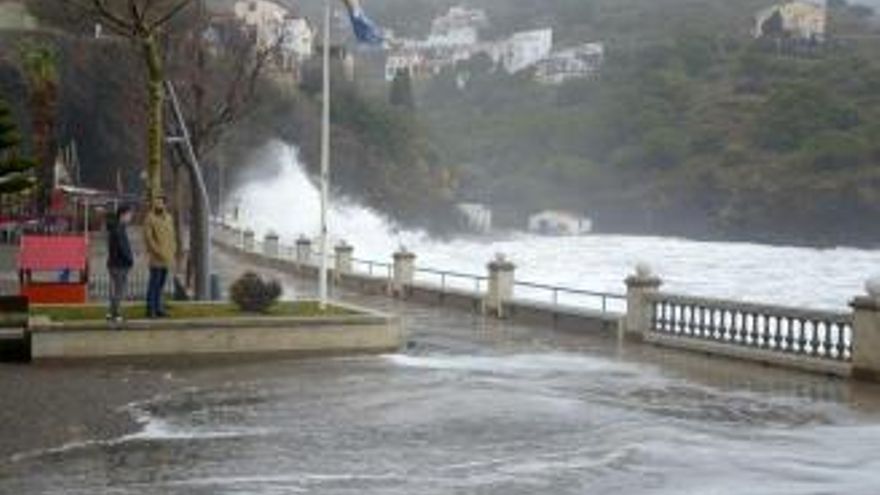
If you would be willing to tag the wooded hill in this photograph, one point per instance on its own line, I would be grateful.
(694, 128)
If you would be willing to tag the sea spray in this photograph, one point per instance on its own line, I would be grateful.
(276, 194)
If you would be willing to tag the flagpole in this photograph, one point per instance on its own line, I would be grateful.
(325, 161)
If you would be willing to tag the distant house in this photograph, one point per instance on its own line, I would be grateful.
(410, 61)
(297, 42)
(265, 17)
(581, 62)
(524, 49)
(477, 217)
(798, 19)
(555, 222)
(459, 26)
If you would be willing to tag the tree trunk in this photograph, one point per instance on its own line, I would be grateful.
(156, 100)
(200, 248)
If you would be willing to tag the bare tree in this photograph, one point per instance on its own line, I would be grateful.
(143, 22)
(217, 66)
(215, 79)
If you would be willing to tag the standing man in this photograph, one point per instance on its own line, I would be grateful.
(161, 247)
(120, 259)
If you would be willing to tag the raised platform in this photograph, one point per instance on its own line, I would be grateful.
(362, 332)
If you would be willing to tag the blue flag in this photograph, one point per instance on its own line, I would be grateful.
(364, 29)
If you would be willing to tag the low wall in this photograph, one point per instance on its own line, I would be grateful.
(764, 356)
(559, 316)
(815, 341)
(368, 332)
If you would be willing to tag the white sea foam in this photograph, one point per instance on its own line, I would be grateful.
(515, 364)
(154, 427)
(281, 197)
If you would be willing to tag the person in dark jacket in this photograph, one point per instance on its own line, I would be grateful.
(120, 259)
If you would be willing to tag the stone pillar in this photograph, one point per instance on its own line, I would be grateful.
(343, 259)
(248, 241)
(866, 333)
(501, 281)
(638, 308)
(271, 247)
(404, 273)
(303, 251)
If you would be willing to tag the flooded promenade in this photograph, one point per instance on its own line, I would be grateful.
(472, 406)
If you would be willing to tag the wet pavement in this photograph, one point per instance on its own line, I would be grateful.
(475, 406)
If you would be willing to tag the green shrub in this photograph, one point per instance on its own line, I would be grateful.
(253, 294)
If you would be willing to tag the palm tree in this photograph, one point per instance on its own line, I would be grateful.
(39, 63)
(15, 174)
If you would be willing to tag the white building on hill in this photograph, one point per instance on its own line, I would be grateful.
(298, 42)
(524, 49)
(459, 26)
(580, 62)
(264, 16)
(410, 61)
(800, 19)
(555, 222)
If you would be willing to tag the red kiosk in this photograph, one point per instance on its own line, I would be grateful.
(54, 269)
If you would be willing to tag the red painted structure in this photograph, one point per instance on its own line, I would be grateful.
(64, 258)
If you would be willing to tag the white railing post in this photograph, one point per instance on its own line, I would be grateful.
(638, 307)
(501, 282)
(248, 243)
(303, 251)
(270, 245)
(343, 265)
(404, 273)
(866, 333)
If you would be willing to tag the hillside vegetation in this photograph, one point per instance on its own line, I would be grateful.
(694, 128)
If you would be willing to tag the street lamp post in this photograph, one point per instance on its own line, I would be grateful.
(325, 163)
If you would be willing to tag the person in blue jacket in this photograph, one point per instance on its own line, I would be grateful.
(120, 259)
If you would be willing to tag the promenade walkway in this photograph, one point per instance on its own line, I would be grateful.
(473, 405)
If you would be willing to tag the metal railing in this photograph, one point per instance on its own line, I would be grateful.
(604, 298)
(445, 276)
(373, 268)
(99, 286)
(445, 281)
(817, 334)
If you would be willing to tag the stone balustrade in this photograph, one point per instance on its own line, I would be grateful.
(815, 334)
(836, 343)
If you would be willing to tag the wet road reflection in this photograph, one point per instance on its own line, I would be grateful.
(482, 407)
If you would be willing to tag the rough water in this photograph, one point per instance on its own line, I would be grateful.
(478, 406)
(281, 198)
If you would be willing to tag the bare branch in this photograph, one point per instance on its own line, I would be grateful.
(182, 4)
(99, 10)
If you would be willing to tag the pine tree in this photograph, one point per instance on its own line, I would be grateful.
(15, 171)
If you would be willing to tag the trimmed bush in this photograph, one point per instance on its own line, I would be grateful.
(252, 294)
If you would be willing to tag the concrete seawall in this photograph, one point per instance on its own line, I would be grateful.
(365, 332)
